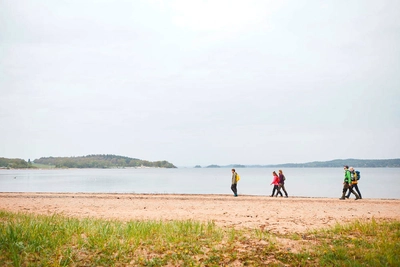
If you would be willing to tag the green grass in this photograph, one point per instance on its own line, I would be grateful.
(38, 240)
(360, 244)
(43, 166)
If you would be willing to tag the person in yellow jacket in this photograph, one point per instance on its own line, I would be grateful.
(235, 179)
(354, 182)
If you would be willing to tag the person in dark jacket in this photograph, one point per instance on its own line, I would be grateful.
(281, 183)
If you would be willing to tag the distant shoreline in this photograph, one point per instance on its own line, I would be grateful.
(108, 161)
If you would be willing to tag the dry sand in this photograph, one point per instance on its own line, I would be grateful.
(277, 215)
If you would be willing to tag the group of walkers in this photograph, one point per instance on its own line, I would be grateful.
(350, 184)
(278, 182)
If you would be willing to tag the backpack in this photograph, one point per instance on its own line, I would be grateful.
(237, 177)
(358, 175)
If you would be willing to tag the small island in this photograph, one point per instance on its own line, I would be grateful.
(90, 161)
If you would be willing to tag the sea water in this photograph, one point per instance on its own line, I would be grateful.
(301, 182)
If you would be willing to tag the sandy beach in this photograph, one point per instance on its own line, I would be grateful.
(274, 214)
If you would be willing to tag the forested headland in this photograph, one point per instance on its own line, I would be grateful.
(90, 161)
(337, 163)
(15, 163)
(359, 163)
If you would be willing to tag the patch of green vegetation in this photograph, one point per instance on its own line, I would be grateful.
(38, 240)
(360, 244)
(43, 166)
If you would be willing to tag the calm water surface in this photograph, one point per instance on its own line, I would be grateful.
(306, 182)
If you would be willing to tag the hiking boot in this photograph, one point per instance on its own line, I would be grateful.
(342, 198)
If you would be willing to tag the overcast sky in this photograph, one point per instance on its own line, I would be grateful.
(200, 82)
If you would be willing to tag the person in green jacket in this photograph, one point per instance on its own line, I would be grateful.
(347, 184)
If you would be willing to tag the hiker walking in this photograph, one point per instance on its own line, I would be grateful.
(281, 183)
(275, 182)
(347, 184)
(354, 182)
(234, 182)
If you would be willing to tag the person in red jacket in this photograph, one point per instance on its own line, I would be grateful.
(275, 182)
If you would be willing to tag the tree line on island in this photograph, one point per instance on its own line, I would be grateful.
(15, 163)
(90, 161)
(113, 161)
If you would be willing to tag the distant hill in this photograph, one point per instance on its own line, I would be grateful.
(229, 166)
(101, 161)
(213, 166)
(359, 163)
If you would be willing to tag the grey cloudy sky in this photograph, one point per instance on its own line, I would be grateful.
(200, 82)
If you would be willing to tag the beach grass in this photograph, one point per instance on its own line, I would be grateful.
(56, 240)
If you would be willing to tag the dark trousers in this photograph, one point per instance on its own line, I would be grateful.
(282, 186)
(234, 189)
(276, 188)
(354, 186)
(348, 187)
